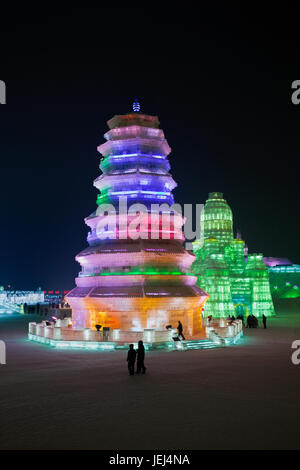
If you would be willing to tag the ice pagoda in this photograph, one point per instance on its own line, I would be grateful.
(133, 281)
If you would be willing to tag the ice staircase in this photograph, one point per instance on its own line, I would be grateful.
(201, 344)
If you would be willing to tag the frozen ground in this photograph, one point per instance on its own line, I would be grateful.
(242, 397)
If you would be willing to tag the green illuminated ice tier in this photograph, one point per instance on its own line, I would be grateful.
(259, 279)
(216, 220)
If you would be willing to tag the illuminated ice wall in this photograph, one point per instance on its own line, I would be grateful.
(135, 279)
(285, 280)
(13, 301)
(237, 284)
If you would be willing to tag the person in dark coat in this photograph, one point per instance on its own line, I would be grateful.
(140, 366)
(264, 320)
(131, 356)
(180, 330)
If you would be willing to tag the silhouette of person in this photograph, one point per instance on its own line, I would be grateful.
(140, 366)
(131, 356)
(180, 330)
(264, 320)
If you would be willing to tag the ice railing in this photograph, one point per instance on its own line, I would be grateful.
(222, 327)
(66, 333)
(62, 330)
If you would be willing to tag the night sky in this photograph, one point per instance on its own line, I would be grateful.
(223, 97)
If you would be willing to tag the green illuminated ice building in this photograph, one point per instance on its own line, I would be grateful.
(237, 283)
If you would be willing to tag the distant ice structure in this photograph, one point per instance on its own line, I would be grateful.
(237, 282)
(13, 301)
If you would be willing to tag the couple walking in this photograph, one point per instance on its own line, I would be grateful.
(138, 355)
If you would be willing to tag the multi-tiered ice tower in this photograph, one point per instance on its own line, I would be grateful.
(237, 283)
(135, 279)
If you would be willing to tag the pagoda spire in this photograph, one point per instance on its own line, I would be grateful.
(136, 106)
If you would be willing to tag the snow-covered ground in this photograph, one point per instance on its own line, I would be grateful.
(240, 397)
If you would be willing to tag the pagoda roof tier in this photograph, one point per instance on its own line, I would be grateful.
(135, 246)
(133, 119)
(143, 261)
(94, 218)
(105, 179)
(133, 170)
(146, 290)
(135, 145)
(91, 220)
(134, 131)
(124, 280)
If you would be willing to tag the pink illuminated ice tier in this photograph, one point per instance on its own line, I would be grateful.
(135, 273)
